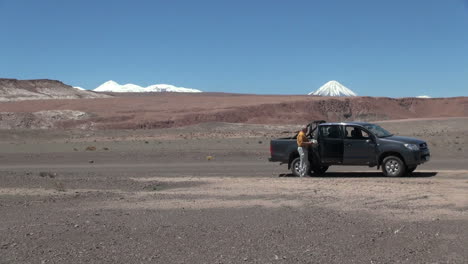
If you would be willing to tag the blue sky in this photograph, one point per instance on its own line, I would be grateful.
(377, 48)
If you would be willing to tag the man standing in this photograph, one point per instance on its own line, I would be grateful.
(303, 149)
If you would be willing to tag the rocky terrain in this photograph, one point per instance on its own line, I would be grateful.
(164, 110)
(207, 194)
(19, 90)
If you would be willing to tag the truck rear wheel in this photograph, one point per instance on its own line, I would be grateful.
(393, 166)
(295, 167)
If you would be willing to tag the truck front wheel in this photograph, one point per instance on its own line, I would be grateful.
(393, 166)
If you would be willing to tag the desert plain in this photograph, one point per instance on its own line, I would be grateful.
(139, 188)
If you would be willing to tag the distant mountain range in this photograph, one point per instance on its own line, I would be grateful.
(111, 86)
(333, 88)
(13, 90)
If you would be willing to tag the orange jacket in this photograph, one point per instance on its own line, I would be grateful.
(301, 139)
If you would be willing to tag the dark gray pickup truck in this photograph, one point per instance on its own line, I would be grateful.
(353, 143)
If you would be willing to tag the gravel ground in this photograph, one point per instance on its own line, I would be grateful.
(217, 200)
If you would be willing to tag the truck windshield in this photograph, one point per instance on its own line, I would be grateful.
(378, 130)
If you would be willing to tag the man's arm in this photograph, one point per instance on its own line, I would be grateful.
(309, 143)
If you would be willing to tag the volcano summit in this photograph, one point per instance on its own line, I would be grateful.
(333, 88)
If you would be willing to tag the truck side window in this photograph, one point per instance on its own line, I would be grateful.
(330, 131)
(355, 133)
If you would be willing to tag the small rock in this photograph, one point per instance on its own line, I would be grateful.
(91, 161)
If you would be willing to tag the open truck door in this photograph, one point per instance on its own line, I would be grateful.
(312, 128)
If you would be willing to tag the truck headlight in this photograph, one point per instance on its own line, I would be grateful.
(413, 147)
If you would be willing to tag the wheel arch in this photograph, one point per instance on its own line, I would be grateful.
(390, 153)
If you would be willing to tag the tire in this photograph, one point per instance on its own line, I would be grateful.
(393, 166)
(295, 167)
(411, 169)
(320, 170)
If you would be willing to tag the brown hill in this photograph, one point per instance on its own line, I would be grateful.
(18, 90)
(174, 110)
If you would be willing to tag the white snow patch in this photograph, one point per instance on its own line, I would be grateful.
(423, 96)
(333, 88)
(79, 88)
(111, 86)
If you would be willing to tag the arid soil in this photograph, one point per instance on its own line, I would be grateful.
(165, 110)
(206, 194)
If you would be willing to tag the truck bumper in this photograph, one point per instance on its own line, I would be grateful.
(415, 158)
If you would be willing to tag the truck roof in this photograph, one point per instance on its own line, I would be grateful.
(346, 123)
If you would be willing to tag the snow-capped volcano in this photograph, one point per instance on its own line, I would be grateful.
(111, 86)
(333, 88)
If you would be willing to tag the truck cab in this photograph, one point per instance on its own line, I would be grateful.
(349, 144)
